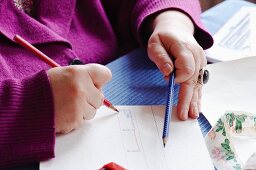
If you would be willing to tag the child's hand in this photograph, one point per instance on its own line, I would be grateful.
(77, 93)
(172, 45)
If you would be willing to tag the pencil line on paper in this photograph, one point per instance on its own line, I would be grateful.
(128, 131)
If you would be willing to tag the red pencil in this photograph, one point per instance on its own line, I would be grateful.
(49, 61)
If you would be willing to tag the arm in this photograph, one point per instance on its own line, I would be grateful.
(176, 41)
(144, 11)
(130, 19)
(172, 45)
(26, 120)
(175, 38)
(30, 107)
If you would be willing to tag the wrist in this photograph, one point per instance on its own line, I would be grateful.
(171, 19)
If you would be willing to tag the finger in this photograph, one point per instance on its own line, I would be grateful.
(188, 91)
(99, 74)
(79, 120)
(203, 64)
(185, 96)
(199, 89)
(90, 112)
(95, 97)
(200, 63)
(184, 62)
(193, 108)
(65, 131)
(199, 99)
(159, 56)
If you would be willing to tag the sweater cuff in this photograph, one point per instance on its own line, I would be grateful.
(26, 121)
(144, 9)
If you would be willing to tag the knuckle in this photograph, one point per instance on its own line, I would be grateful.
(160, 59)
(99, 101)
(188, 71)
(198, 86)
(191, 82)
(73, 119)
(90, 115)
(76, 85)
(71, 72)
(193, 103)
(79, 123)
(153, 39)
(150, 49)
(199, 103)
(65, 130)
(74, 89)
(155, 51)
(96, 99)
(70, 77)
(198, 50)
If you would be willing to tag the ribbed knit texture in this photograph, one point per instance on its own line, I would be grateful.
(26, 120)
(91, 30)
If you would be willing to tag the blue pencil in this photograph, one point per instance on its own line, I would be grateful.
(168, 110)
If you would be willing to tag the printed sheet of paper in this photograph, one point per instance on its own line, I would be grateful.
(232, 86)
(236, 39)
(133, 139)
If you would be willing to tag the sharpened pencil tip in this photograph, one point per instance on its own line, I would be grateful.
(164, 141)
(113, 108)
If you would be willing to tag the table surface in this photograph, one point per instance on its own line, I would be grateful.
(136, 81)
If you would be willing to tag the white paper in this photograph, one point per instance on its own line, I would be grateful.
(236, 39)
(232, 86)
(133, 139)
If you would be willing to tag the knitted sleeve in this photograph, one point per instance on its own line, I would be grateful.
(26, 121)
(144, 8)
(128, 16)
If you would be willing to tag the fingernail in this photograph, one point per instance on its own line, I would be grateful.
(184, 114)
(167, 69)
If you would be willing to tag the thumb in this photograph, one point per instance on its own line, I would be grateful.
(159, 56)
(99, 74)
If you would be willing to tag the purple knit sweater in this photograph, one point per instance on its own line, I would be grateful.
(91, 30)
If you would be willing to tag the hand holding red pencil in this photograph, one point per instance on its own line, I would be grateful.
(77, 93)
(76, 90)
